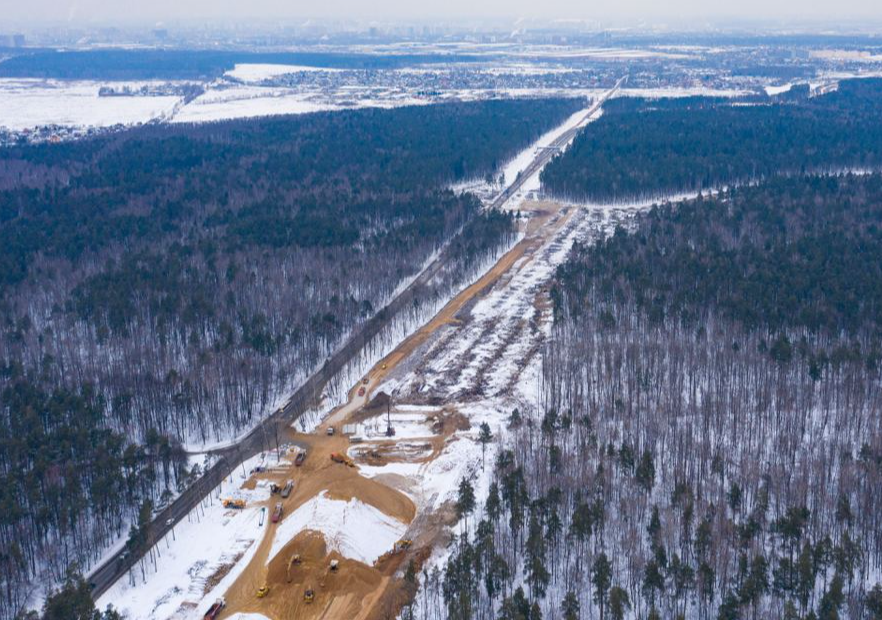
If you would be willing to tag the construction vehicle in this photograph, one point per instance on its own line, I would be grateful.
(238, 504)
(295, 559)
(330, 430)
(289, 486)
(215, 610)
(308, 596)
(301, 456)
(361, 391)
(383, 366)
(402, 545)
(274, 488)
(277, 513)
(337, 457)
(262, 591)
(365, 381)
(335, 564)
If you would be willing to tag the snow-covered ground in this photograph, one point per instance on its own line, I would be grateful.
(354, 529)
(180, 576)
(29, 103)
(257, 72)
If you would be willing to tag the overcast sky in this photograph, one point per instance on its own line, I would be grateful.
(597, 10)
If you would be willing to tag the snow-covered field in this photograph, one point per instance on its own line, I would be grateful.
(25, 104)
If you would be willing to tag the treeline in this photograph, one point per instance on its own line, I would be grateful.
(691, 459)
(647, 149)
(159, 64)
(166, 287)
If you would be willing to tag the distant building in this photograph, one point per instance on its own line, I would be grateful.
(161, 34)
(18, 40)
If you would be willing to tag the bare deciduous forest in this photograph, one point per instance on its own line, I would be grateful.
(710, 438)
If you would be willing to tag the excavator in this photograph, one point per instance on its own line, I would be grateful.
(308, 596)
(295, 559)
(262, 591)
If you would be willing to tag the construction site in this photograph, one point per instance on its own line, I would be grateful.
(343, 517)
(370, 491)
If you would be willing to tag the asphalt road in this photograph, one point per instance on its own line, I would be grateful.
(270, 432)
(550, 151)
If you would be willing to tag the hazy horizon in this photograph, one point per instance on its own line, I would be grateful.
(677, 12)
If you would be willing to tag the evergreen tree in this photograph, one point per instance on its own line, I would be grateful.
(601, 578)
(570, 606)
(485, 437)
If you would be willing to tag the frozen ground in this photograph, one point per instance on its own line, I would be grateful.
(181, 576)
(25, 104)
(354, 529)
(250, 72)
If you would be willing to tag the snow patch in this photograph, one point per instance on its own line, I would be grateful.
(354, 529)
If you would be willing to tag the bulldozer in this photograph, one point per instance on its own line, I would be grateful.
(402, 545)
(262, 591)
(234, 503)
(308, 596)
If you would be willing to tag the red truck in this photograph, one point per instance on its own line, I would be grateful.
(214, 611)
(277, 513)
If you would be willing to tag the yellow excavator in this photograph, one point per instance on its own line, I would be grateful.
(262, 591)
(308, 596)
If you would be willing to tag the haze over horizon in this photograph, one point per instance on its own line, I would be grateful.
(630, 11)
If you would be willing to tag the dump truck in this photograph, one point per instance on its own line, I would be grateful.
(277, 513)
(337, 457)
(301, 456)
(215, 610)
(289, 486)
(308, 596)
(238, 504)
(262, 591)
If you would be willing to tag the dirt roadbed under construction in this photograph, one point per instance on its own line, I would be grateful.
(432, 386)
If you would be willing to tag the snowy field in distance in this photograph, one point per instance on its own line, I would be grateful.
(28, 103)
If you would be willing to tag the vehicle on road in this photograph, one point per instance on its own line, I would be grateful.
(330, 430)
(301, 456)
(262, 591)
(277, 513)
(308, 596)
(361, 391)
(289, 486)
